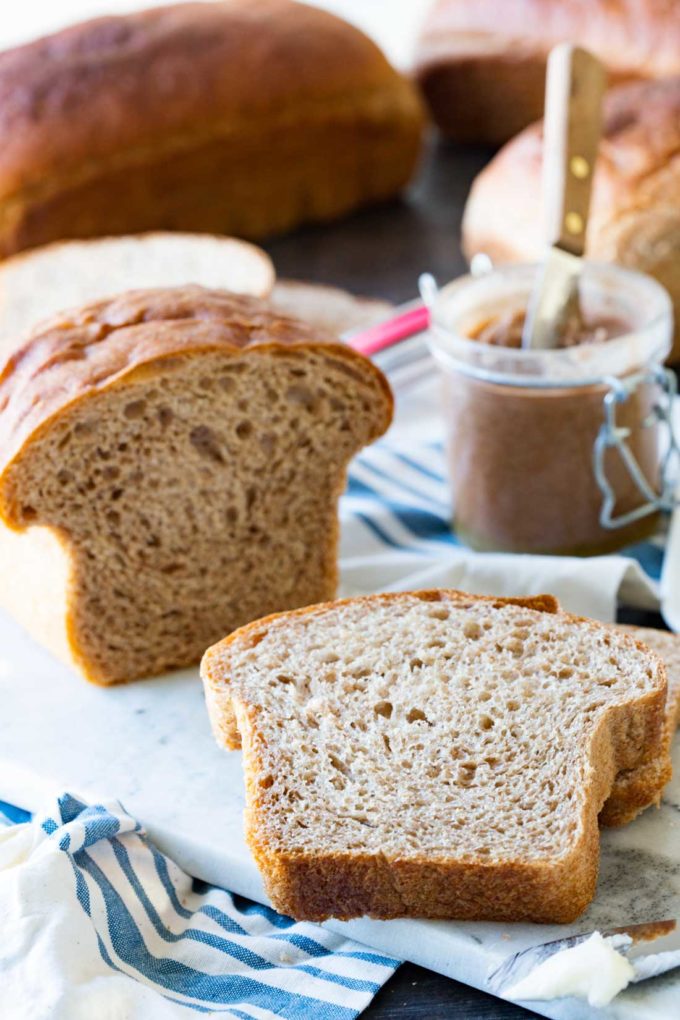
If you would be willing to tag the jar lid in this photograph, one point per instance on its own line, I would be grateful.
(606, 292)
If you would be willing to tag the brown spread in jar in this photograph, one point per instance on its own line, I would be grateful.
(521, 456)
(505, 330)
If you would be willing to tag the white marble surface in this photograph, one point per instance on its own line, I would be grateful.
(148, 745)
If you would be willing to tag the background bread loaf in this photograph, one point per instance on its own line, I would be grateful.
(244, 117)
(481, 63)
(170, 466)
(635, 211)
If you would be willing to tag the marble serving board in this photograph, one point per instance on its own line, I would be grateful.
(149, 745)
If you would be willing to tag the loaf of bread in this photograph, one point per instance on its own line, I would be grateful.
(432, 754)
(243, 117)
(481, 63)
(170, 466)
(635, 210)
(635, 789)
(37, 284)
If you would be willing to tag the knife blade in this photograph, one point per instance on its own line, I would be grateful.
(652, 948)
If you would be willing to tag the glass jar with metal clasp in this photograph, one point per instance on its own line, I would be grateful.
(567, 451)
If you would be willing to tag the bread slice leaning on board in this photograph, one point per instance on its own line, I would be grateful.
(37, 284)
(432, 753)
(637, 788)
(170, 466)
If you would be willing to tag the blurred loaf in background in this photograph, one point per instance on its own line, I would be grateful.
(246, 117)
(481, 63)
(635, 211)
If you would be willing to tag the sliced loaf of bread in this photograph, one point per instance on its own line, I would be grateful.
(432, 754)
(170, 466)
(637, 788)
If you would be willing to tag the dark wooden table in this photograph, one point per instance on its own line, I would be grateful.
(380, 253)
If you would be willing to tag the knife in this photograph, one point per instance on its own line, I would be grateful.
(572, 124)
(652, 948)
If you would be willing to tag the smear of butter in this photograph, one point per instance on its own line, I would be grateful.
(591, 970)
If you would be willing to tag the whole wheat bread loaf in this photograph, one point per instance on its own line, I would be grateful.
(637, 788)
(243, 117)
(432, 754)
(481, 63)
(170, 465)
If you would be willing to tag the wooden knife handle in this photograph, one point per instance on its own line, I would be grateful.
(572, 125)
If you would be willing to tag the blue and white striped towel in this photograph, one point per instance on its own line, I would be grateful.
(96, 924)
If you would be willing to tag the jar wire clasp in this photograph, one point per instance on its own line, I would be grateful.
(613, 436)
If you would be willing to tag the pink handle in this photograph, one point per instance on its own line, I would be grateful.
(385, 334)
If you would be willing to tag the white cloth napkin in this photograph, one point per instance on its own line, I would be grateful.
(96, 924)
(589, 587)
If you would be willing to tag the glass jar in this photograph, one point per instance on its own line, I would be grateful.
(555, 451)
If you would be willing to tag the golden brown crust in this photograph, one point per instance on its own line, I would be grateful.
(117, 104)
(77, 354)
(315, 887)
(638, 788)
(483, 76)
(345, 887)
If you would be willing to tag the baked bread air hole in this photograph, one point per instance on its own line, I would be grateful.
(196, 498)
(441, 758)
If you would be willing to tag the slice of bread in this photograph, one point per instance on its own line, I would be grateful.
(170, 466)
(39, 283)
(432, 754)
(637, 788)
(329, 308)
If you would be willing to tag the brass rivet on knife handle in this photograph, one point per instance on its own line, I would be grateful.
(575, 84)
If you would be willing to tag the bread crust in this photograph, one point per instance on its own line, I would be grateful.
(76, 355)
(635, 209)
(315, 887)
(171, 111)
(484, 76)
(638, 788)
(127, 342)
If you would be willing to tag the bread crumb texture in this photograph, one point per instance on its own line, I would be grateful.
(189, 447)
(432, 753)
